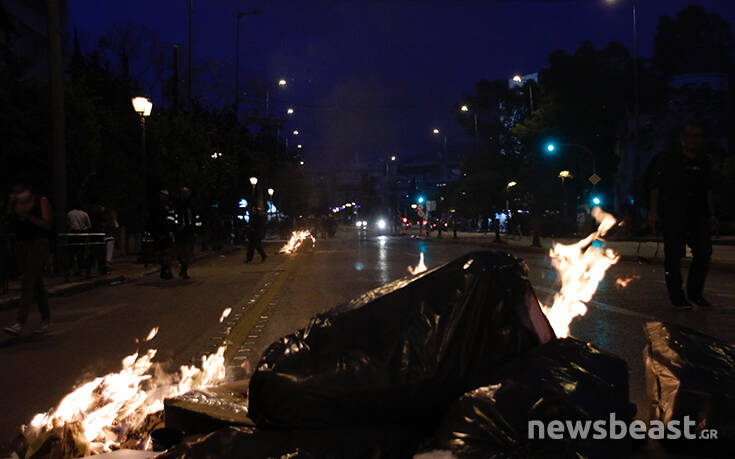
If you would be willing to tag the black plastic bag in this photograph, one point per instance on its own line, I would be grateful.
(255, 443)
(564, 380)
(401, 353)
(692, 374)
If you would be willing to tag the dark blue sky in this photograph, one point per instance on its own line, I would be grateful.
(374, 77)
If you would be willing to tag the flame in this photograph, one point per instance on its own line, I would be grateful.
(297, 238)
(421, 267)
(225, 314)
(152, 334)
(111, 406)
(620, 282)
(581, 267)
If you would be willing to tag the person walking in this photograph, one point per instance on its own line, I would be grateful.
(681, 199)
(186, 223)
(30, 217)
(256, 232)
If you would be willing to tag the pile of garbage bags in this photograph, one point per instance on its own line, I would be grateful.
(459, 358)
(690, 374)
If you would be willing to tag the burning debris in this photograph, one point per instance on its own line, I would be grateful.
(225, 314)
(581, 268)
(421, 267)
(118, 409)
(297, 239)
(623, 282)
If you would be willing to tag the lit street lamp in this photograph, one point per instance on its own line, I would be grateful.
(270, 192)
(466, 109)
(282, 82)
(301, 163)
(295, 132)
(143, 106)
(519, 79)
(299, 146)
(253, 181)
(289, 111)
(444, 142)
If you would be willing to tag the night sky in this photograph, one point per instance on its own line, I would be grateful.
(372, 78)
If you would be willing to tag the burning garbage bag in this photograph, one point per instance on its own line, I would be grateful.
(564, 380)
(401, 353)
(691, 374)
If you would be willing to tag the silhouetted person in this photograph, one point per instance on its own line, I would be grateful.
(681, 198)
(186, 225)
(31, 219)
(256, 232)
(164, 224)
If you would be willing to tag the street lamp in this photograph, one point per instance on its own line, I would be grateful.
(270, 192)
(295, 132)
(594, 178)
(436, 131)
(511, 184)
(517, 78)
(253, 181)
(393, 158)
(466, 109)
(282, 82)
(142, 106)
(298, 146)
(301, 163)
(444, 143)
(289, 111)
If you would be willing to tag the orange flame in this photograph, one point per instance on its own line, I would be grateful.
(110, 406)
(297, 238)
(581, 268)
(622, 283)
(421, 267)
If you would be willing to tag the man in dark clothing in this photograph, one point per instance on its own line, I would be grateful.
(187, 221)
(256, 232)
(681, 198)
(164, 224)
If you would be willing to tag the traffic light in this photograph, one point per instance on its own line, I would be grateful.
(420, 200)
(550, 147)
(596, 200)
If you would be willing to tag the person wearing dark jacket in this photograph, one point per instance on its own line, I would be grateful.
(31, 219)
(187, 221)
(681, 199)
(163, 225)
(256, 232)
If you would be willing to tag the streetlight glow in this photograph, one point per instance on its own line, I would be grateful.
(393, 158)
(270, 192)
(517, 78)
(142, 105)
(565, 174)
(511, 184)
(298, 146)
(290, 111)
(301, 163)
(295, 132)
(596, 200)
(464, 108)
(550, 147)
(253, 181)
(281, 82)
(436, 131)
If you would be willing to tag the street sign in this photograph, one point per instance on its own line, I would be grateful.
(420, 211)
(430, 206)
(594, 179)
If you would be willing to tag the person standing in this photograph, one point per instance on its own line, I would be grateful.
(681, 199)
(31, 219)
(256, 232)
(186, 223)
(78, 222)
(164, 224)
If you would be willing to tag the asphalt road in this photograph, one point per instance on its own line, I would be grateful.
(94, 330)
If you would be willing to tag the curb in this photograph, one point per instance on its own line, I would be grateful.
(78, 287)
(719, 265)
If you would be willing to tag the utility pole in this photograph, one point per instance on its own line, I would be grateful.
(56, 84)
(189, 78)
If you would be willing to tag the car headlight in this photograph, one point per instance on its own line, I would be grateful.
(381, 224)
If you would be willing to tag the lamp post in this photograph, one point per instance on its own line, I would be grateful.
(240, 15)
(282, 83)
(143, 107)
(551, 148)
(437, 132)
(519, 79)
(466, 109)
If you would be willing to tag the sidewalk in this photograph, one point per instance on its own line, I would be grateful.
(122, 269)
(723, 249)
